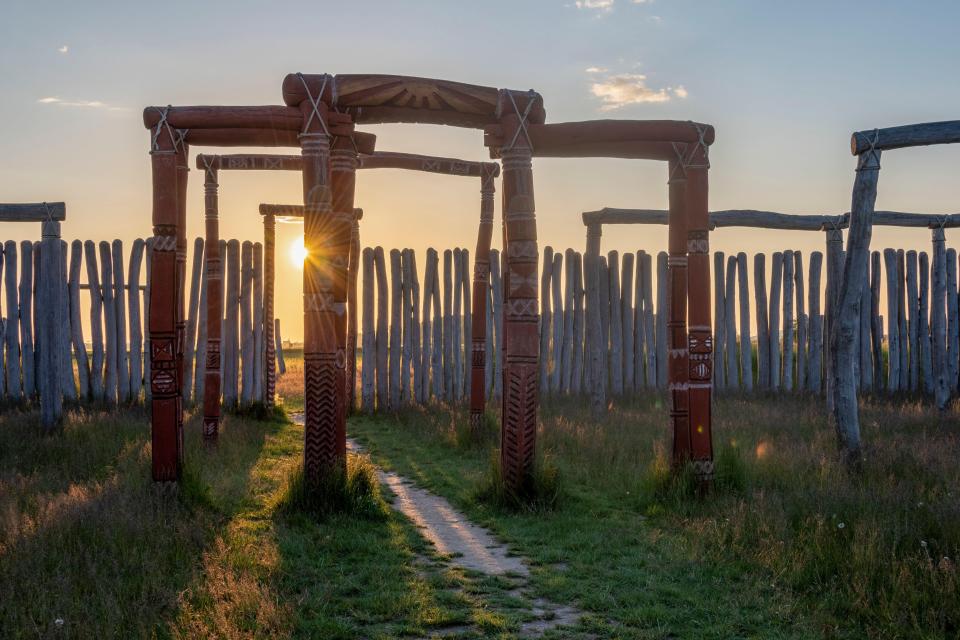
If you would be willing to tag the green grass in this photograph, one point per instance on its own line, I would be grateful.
(787, 545)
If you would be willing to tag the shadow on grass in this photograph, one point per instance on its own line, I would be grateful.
(89, 545)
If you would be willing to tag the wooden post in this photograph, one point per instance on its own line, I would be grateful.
(938, 321)
(556, 283)
(616, 328)
(834, 274)
(231, 334)
(368, 353)
(481, 331)
(800, 382)
(14, 385)
(776, 279)
(49, 299)
(913, 311)
(68, 384)
(447, 325)
(496, 283)
(953, 330)
(576, 384)
(96, 323)
(663, 304)
(353, 269)
(626, 322)
(926, 363)
(546, 314)
(815, 353)
(28, 355)
(76, 327)
(200, 360)
(189, 349)
(281, 364)
(269, 280)
(651, 338)
(3, 338)
(491, 355)
(213, 256)
(148, 260)
(788, 266)
(246, 323)
(566, 351)
(876, 322)
(396, 328)
(864, 339)
(258, 349)
(467, 324)
(32, 297)
(439, 387)
(763, 326)
(111, 376)
(677, 322)
(730, 331)
(594, 349)
(456, 319)
(383, 330)
(604, 370)
(406, 367)
(902, 319)
(846, 316)
(719, 320)
(120, 308)
(418, 395)
(893, 328)
(427, 341)
(746, 345)
(135, 318)
(639, 342)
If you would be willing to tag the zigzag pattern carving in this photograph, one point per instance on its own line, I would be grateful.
(323, 399)
(519, 439)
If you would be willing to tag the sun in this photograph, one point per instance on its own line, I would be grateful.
(298, 252)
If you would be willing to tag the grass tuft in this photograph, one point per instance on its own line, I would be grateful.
(542, 492)
(354, 492)
(261, 411)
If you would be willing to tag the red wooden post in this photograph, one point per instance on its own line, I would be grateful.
(343, 177)
(183, 171)
(521, 314)
(481, 277)
(677, 320)
(324, 431)
(211, 382)
(166, 425)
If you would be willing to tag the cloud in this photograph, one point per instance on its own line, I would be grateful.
(596, 69)
(622, 89)
(87, 104)
(602, 6)
(63, 49)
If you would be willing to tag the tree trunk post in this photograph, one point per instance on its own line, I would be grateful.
(746, 344)
(215, 290)
(763, 327)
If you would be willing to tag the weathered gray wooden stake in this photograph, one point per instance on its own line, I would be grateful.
(788, 267)
(193, 305)
(763, 326)
(136, 326)
(893, 328)
(396, 328)
(953, 329)
(383, 330)
(148, 251)
(259, 352)
(68, 384)
(662, 315)
(96, 322)
(368, 353)
(467, 349)
(746, 345)
(834, 274)
(427, 341)
(604, 370)
(651, 339)
(815, 352)
(490, 353)
(800, 380)
(281, 363)
(566, 351)
(926, 363)
(111, 375)
(120, 308)
(14, 385)
(913, 311)
(546, 326)
(406, 366)
(447, 325)
(28, 355)
(231, 334)
(418, 389)
(776, 280)
(902, 320)
(200, 360)
(626, 307)
(597, 388)
(496, 282)
(719, 321)
(639, 341)
(50, 294)
(730, 317)
(556, 284)
(246, 323)
(456, 322)
(576, 383)
(876, 324)
(76, 326)
(438, 331)
(616, 327)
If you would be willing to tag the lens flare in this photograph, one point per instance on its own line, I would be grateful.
(298, 252)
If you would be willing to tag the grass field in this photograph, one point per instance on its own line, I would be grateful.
(787, 546)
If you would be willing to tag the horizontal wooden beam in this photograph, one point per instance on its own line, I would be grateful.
(375, 160)
(33, 212)
(911, 135)
(773, 220)
(295, 211)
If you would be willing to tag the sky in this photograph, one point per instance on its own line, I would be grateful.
(784, 84)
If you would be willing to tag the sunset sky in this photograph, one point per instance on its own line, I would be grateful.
(783, 83)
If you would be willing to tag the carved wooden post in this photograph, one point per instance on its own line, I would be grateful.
(327, 241)
(269, 284)
(846, 318)
(211, 376)
(678, 365)
(200, 362)
(481, 293)
(353, 269)
(496, 285)
(520, 324)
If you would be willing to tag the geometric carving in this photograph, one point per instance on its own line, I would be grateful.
(163, 381)
(213, 355)
(162, 350)
(522, 249)
(698, 242)
(518, 438)
(522, 307)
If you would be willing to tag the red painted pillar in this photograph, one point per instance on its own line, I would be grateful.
(343, 179)
(481, 284)
(700, 339)
(323, 315)
(521, 314)
(183, 171)
(677, 365)
(165, 377)
(211, 382)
